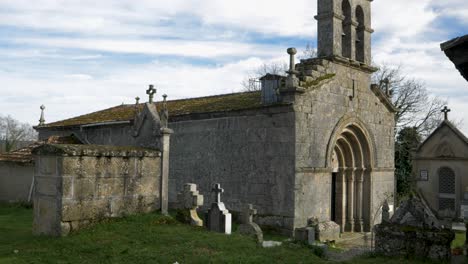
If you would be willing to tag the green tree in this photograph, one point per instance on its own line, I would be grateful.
(408, 140)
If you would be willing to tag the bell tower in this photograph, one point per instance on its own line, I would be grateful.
(344, 30)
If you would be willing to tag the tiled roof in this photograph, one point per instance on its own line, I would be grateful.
(24, 155)
(210, 104)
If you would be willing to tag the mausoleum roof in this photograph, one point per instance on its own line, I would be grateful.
(457, 51)
(25, 156)
(209, 104)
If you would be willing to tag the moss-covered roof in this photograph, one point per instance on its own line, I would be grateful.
(94, 150)
(24, 155)
(210, 104)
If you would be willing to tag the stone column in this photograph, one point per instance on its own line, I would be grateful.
(164, 196)
(341, 198)
(359, 172)
(350, 200)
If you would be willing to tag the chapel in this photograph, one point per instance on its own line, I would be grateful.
(439, 167)
(317, 143)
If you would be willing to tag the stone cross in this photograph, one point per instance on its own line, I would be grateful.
(151, 92)
(248, 214)
(446, 110)
(190, 199)
(248, 227)
(41, 119)
(218, 191)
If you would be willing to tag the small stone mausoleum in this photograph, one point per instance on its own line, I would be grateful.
(439, 166)
(317, 143)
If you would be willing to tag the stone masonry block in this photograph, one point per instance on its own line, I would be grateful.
(67, 187)
(47, 166)
(88, 166)
(84, 188)
(71, 166)
(108, 187)
(85, 210)
(48, 185)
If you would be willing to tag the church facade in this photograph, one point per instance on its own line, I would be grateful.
(317, 143)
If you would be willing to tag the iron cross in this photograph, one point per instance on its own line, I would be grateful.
(218, 190)
(446, 110)
(151, 91)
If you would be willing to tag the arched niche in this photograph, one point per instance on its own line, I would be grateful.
(360, 37)
(346, 29)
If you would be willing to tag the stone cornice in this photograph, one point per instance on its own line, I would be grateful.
(383, 98)
(329, 15)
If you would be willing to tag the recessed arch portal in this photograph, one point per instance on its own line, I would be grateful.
(352, 170)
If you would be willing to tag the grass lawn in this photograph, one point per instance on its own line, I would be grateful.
(459, 241)
(148, 238)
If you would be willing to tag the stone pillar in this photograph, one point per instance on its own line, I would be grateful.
(350, 200)
(341, 199)
(164, 188)
(359, 194)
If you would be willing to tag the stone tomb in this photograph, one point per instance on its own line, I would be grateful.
(190, 199)
(248, 227)
(219, 219)
(414, 231)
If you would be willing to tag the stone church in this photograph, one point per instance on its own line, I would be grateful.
(317, 143)
(439, 166)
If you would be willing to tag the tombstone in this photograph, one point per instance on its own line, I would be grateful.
(219, 219)
(190, 199)
(248, 227)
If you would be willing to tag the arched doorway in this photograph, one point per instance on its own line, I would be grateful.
(351, 180)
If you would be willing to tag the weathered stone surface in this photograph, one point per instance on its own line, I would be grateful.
(86, 189)
(190, 199)
(415, 212)
(327, 231)
(414, 231)
(248, 227)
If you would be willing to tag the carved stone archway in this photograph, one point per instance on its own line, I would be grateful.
(352, 169)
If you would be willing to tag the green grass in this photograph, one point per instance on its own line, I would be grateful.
(459, 241)
(148, 238)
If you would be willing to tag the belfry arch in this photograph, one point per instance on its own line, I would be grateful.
(351, 161)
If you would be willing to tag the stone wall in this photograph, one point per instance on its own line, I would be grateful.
(394, 240)
(15, 181)
(76, 185)
(251, 153)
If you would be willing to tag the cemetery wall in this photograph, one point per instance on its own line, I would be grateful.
(15, 181)
(250, 153)
(76, 185)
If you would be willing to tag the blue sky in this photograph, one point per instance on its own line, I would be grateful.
(79, 56)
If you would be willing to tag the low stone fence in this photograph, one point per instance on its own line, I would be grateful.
(393, 240)
(76, 185)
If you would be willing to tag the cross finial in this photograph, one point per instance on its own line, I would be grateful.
(446, 110)
(42, 120)
(151, 91)
(218, 191)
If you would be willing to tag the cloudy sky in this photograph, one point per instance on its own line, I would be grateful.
(79, 56)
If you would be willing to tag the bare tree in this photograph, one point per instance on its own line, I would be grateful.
(417, 108)
(13, 132)
(251, 82)
(308, 53)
